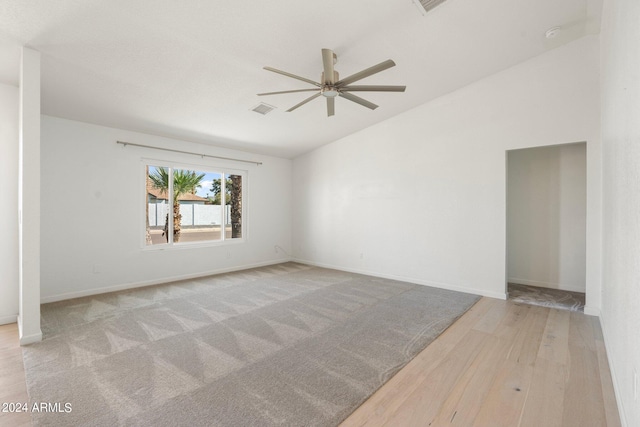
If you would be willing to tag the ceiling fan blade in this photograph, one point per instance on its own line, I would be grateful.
(293, 76)
(286, 91)
(358, 100)
(366, 73)
(331, 106)
(327, 62)
(312, 97)
(369, 88)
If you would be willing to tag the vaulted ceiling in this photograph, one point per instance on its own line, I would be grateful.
(191, 70)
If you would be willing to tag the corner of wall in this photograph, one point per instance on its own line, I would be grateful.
(5, 320)
(614, 377)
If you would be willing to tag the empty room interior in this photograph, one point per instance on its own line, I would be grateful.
(385, 213)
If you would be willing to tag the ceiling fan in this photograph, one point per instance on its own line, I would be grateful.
(330, 86)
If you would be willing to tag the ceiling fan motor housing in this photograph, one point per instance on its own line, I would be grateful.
(328, 90)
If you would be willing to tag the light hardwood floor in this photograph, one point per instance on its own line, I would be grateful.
(501, 364)
(12, 382)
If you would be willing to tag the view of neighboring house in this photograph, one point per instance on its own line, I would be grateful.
(157, 196)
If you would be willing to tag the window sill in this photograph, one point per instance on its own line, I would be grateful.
(192, 245)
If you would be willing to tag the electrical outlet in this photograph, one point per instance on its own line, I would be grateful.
(275, 249)
(228, 255)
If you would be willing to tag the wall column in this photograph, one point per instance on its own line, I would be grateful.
(29, 198)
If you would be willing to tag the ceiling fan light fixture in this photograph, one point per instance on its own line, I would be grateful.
(329, 92)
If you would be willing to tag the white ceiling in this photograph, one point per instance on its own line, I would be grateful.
(191, 70)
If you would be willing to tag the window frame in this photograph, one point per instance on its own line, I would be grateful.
(208, 168)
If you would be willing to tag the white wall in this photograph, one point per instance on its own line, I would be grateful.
(546, 216)
(621, 172)
(9, 214)
(441, 170)
(99, 248)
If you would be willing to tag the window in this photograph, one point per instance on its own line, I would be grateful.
(186, 205)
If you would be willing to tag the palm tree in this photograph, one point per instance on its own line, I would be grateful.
(236, 206)
(146, 202)
(233, 198)
(184, 182)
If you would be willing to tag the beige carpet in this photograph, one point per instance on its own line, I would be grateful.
(287, 345)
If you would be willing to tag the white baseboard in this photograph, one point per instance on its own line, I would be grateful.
(559, 286)
(5, 320)
(484, 293)
(592, 311)
(28, 339)
(614, 378)
(125, 286)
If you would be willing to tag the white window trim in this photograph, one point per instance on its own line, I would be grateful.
(210, 168)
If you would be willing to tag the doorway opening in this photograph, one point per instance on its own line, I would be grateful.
(546, 225)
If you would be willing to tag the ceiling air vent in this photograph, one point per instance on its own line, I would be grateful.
(429, 4)
(263, 108)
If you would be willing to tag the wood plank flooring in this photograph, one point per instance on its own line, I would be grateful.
(12, 383)
(501, 364)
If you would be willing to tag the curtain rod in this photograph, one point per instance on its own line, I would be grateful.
(187, 152)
